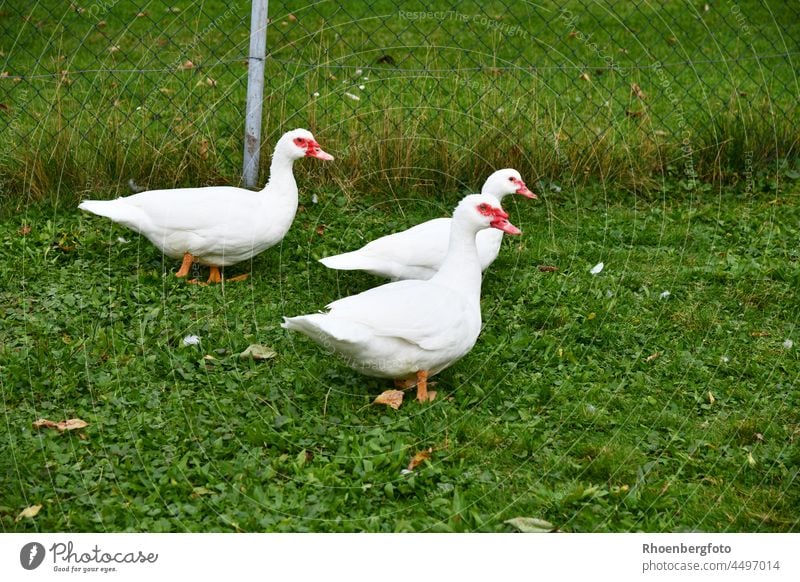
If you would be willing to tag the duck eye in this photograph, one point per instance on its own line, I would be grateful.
(511, 179)
(300, 141)
(484, 207)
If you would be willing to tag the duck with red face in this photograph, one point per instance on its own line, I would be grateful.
(217, 225)
(418, 252)
(410, 330)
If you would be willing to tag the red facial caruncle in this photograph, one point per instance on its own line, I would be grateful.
(312, 148)
(499, 218)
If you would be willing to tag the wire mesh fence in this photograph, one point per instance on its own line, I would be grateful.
(97, 93)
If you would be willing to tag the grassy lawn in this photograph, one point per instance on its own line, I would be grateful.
(595, 402)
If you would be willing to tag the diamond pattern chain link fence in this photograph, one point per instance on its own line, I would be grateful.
(99, 95)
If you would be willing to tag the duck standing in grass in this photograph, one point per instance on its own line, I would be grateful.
(410, 330)
(217, 225)
(418, 252)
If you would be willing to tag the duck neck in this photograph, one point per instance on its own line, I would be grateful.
(281, 178)
(488, 192)
(461, 269)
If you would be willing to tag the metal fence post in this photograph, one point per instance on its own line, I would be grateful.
(255, 92)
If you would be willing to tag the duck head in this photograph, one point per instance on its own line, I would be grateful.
(300, 143)
(505, 182)
(483, 211)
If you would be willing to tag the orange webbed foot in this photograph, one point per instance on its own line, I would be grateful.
(186, 266)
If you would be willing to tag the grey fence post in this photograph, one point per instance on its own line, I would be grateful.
(255, 92)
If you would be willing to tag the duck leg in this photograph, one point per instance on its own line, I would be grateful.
(186, 265)
(214, 276)
(422, 387)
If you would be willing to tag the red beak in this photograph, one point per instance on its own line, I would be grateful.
(523, 189)
(314, 151)
(502, 223)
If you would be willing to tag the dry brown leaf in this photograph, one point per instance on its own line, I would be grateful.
(547, 268)
(141, 14)
(711, 399)
(202, 149)
(320, 229)
(24, 230)
(113, 49)
(652, 357)
(101, 24)
(759, 333)
(584, 76)
(31, 511)
(71, 424)
(572, 34)
(420, 457)
(393, 398)
(4, 107)
(637, 90)
(187, 65)
(292, 18)
(632, 113)
(211, 82)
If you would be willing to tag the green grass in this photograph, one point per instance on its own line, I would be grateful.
(588, 401)
(483, 98)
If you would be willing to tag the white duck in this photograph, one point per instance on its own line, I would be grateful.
(418, 252)
(413, 329)
(217, 225)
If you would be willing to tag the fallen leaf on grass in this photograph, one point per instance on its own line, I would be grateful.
(632, 113)
(419, 458)
(637, 90)
(548, 268)
(26, 229)
(584, 76)
(652, 357)
(759, 333)
(198, 491)
(711, 399)
(187, 65)
(531, 525)
(393, 398)
(31, 511)
(71, 424)
(258, 352)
